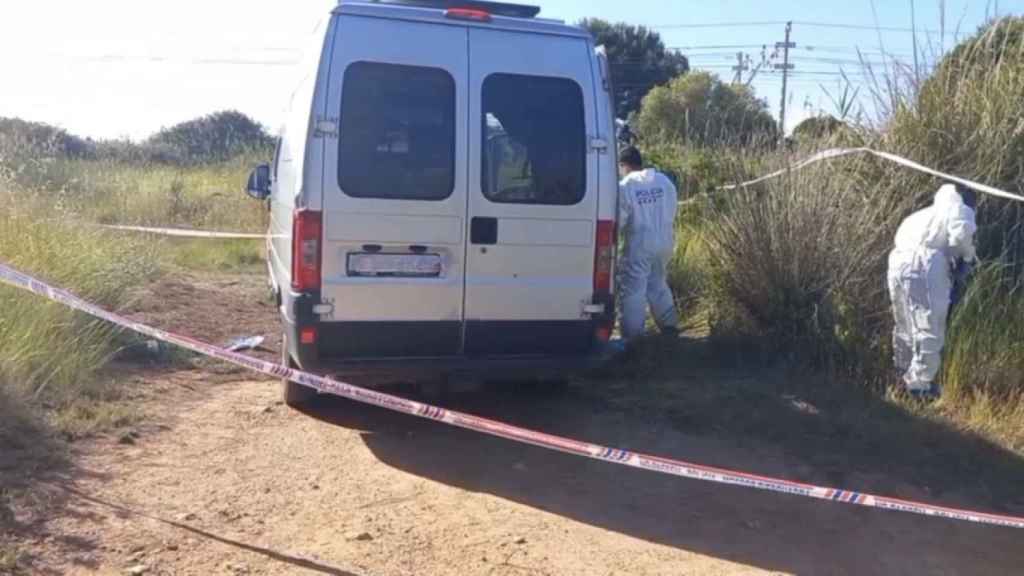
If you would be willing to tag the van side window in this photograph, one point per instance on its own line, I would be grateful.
(534, 149)
(397, 132)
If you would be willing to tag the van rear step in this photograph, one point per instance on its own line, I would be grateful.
(493, 8)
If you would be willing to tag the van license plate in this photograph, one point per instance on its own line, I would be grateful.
(394, 265)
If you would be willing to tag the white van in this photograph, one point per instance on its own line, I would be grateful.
(443, 197)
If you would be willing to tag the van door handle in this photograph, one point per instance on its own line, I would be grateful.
(483, 230)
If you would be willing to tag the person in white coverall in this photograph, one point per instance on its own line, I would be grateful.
(929, 244)
(647, 212)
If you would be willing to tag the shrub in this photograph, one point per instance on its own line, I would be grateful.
(700, 110)
(214, 138)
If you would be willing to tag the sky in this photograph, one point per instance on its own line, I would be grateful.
(126, 68)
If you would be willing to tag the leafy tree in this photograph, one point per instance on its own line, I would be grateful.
(21, 137)
(638, 60)
(702, 110)
(218, 136)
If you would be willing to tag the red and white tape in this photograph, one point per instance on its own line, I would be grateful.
(840, 152)
(184, 232)
(669, 466)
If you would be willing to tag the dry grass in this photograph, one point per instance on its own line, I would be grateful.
(50, 356)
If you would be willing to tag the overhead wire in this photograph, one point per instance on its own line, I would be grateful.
(808, 23)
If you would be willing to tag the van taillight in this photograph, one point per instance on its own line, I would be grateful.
(307, 230)
(604, 262)
(474, 14)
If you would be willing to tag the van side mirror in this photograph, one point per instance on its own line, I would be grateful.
(259, 182)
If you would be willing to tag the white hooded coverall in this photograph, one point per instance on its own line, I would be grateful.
(927, 244)
(647, 211)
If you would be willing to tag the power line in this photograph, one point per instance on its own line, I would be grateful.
(811, 24)
(870, 28)
(839, 61)
(718, 47)
(806, 47)
(719, 25)
(697, 51)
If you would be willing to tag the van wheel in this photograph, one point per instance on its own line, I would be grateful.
(294, 395)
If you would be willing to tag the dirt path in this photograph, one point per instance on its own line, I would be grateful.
(223, 479)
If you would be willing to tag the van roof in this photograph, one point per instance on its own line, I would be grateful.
(503, 16)
(495, 8)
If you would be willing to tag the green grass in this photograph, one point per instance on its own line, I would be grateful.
(50, 357)
(217, 255)
(207, 196)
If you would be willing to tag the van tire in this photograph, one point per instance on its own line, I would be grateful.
(294, 395)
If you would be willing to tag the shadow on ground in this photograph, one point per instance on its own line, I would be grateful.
(267, 553)
(30, 456)
(763, 422)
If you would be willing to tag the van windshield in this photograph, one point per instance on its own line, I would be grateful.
(397, 132)
(534, 148)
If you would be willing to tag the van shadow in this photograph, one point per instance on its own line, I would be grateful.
(770, 531)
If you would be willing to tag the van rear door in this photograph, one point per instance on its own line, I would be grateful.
(532, 204)
(395, 189)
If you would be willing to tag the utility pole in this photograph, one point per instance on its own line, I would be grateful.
(785, 67)
(742, 65)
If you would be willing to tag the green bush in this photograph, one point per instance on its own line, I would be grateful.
(27, 147)
(214, 138)
(694, 171)
(698, 109)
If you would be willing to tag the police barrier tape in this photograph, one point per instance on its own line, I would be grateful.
(840, 152)
(182, 232)
(669, 466)
(829, 154)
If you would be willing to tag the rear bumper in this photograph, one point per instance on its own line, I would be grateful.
(409, 352)
(387, 370)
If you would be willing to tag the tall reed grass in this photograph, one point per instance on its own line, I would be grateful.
(799, 263)
(49, 356)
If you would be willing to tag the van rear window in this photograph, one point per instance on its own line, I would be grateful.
(534, 148)
(397, 132)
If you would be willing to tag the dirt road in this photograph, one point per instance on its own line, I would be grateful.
(223, 479)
